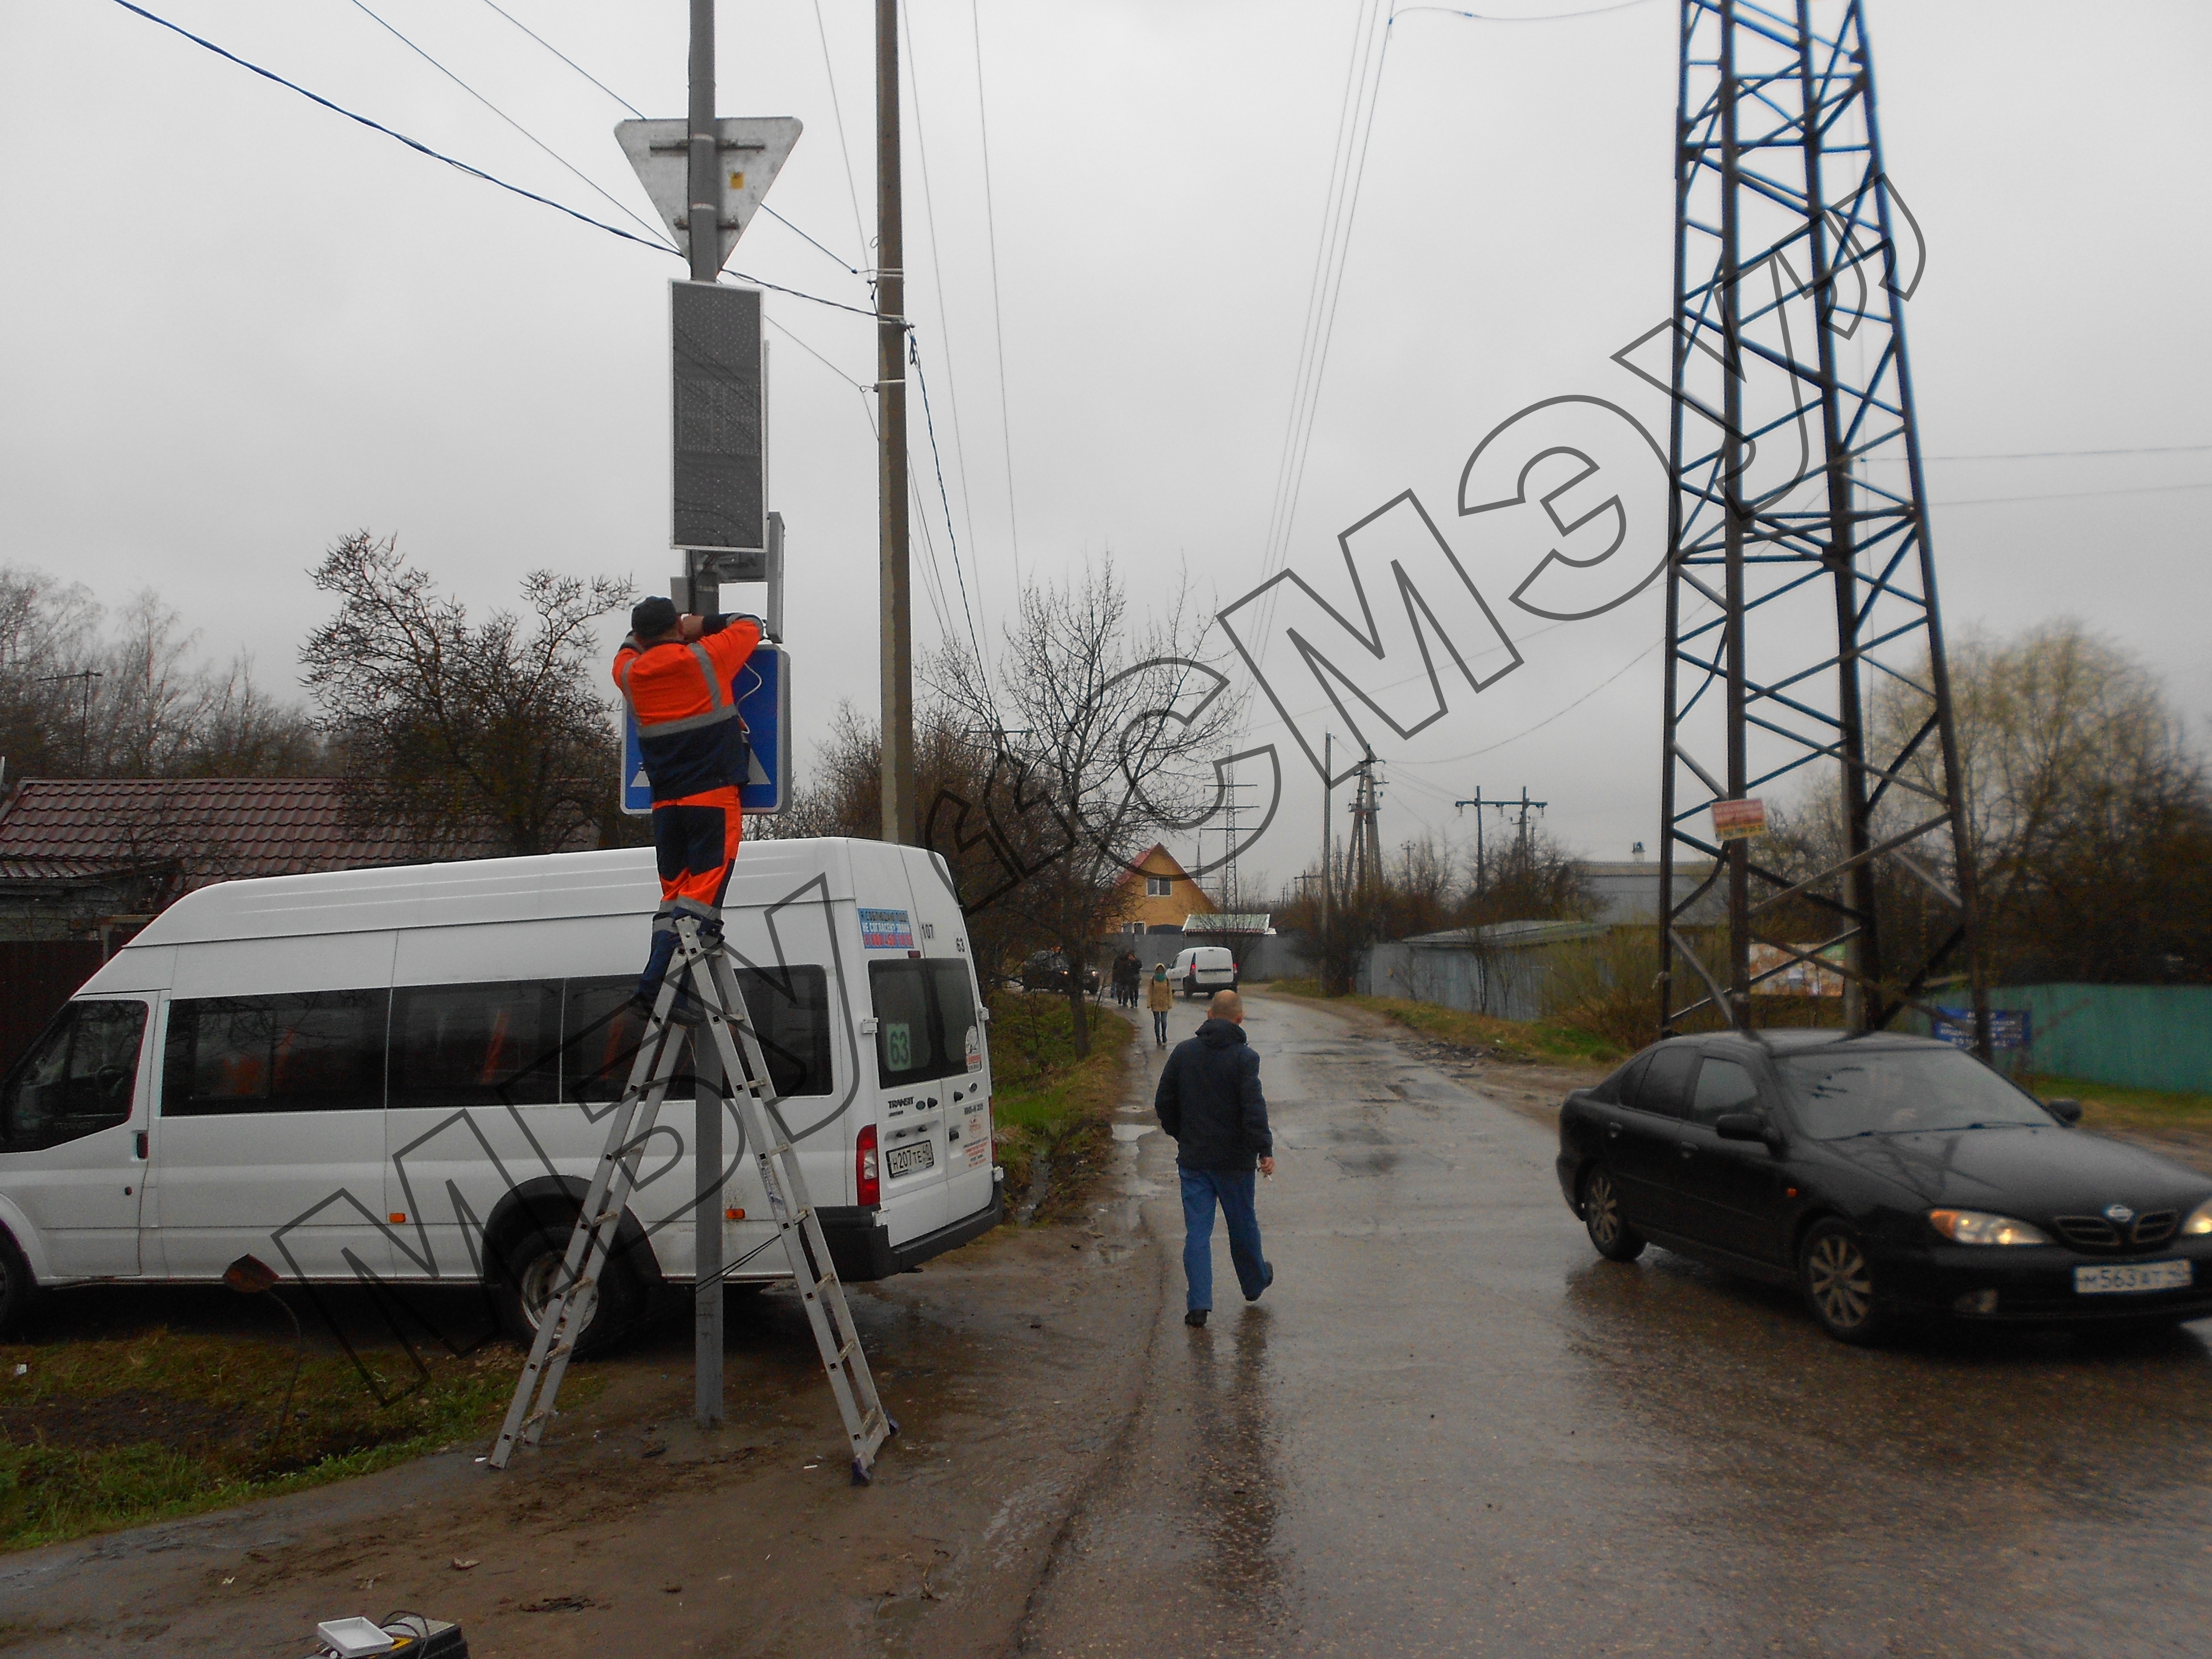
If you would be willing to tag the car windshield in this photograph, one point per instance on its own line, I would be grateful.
(1887, 1092)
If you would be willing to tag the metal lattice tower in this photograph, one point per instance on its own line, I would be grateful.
(1803, 639)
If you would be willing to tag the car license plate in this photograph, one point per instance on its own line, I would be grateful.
(911, 1160)
(2120, 1278)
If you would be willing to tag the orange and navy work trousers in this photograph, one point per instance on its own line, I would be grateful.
(695, 844)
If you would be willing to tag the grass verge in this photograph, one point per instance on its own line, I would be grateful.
(1514, 1041)
(114, 1432)
(2114, 1106)
(1045, 1102)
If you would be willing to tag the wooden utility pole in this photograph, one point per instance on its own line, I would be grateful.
(898, 786)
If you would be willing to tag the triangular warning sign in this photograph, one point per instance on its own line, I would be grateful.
(753, 151)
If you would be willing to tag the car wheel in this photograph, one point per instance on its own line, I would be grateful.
(532, 1269)
(1610, 1234)
(1839, 1287)
(19, 1291)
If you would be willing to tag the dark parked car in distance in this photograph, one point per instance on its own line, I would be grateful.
(1885, 1176)
(1047, 970)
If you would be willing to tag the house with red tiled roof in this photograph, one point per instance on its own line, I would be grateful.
(86, 862)
(1158, 895)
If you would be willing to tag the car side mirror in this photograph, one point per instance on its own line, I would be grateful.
(2067, 1112)
(1742, 1126)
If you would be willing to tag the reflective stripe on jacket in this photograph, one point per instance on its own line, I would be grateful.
(688, 733)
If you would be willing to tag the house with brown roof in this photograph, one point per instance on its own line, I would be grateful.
(1158, 895)
(86, 862)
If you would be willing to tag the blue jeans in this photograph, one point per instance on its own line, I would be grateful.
(1160, 1025)
(1232, 1188)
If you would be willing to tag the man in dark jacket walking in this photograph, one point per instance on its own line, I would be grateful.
(1209, 1101)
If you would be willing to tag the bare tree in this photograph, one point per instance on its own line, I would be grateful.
(466, 733)
(1104, 732)
(76, 701)
(2088, 814)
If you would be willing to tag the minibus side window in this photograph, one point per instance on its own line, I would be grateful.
(789, 1008)
(474, 1045)
(78, 1078)
(319, 1051)
(600, 1030)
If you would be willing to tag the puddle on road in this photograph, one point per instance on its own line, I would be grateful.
(1131, 1131)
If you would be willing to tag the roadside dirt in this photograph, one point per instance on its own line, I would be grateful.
(1012, 1366)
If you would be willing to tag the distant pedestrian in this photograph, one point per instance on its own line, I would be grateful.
(1159, 997)
(1209, 1101)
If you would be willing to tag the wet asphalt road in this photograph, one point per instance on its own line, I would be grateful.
(1450, 1429)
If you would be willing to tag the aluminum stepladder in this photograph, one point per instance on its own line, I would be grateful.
(745, 1082)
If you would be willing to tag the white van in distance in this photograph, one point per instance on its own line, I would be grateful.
(1202, 970)
(404, 1074)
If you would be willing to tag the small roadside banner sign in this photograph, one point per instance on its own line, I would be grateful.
(1739, 820)
(2010, 1028)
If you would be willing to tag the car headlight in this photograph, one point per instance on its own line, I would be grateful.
(1980, 1227)
(2200, 1219)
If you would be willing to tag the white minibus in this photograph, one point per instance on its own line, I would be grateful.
(402, 1075)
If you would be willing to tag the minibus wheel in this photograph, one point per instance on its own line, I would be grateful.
(18, 1289)
(531, 1270)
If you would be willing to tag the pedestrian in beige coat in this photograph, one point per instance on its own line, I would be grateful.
(1159, 997)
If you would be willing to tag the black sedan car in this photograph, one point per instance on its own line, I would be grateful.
(1887, 1177)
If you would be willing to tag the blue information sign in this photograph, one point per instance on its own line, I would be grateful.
(2010, 1028)
(764, 701)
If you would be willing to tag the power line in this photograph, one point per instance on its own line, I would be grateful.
(2053, 454)
(2076, 494)
(945, 334)
(997, 318)
(856, 386)
(1347, 171)
(929, 426)
(1540, 17)
(803, 237)
(415, 145)
(837, 113)
(565, 58)
(362, 6)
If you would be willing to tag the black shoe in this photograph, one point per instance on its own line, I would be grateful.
(1264, 1283)
(1195, 1319)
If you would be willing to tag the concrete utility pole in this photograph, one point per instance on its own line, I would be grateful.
(898, 784)
(1327, 759)
(705, 209)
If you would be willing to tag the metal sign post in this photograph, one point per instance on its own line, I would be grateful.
(692, 168)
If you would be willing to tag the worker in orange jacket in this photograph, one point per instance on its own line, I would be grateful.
(677, 674)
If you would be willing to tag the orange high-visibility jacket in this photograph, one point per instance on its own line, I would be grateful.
(687, 711)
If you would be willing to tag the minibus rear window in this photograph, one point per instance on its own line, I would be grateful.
(78, 1077)
(319, 1051)
(473, 1045)
(924, 1012)
(789, 1007)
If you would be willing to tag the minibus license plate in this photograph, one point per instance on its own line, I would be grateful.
(2120, 1278)
(906, 1160)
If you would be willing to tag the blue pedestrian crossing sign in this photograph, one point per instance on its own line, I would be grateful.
(764, 700)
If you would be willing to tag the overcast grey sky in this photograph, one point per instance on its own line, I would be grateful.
(237, 327)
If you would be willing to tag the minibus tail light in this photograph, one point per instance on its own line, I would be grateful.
(865, 1177)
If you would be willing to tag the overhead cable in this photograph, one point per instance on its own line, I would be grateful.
(565, 58)
(837, 113)
(362, 7)
(944, 321)
(412, 144)
(929, 426)
(998, 317)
